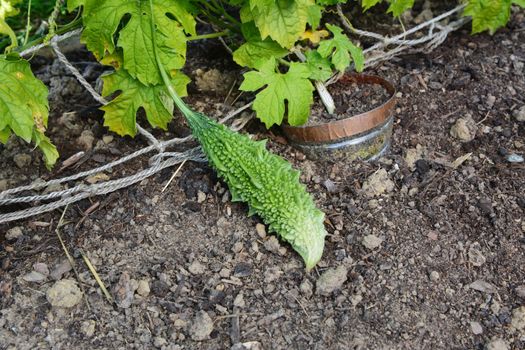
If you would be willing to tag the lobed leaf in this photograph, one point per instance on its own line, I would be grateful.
(340, 48)
(291, 91)
(121, 113)
(488, 14)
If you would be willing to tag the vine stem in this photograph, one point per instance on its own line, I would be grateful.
(209, 36)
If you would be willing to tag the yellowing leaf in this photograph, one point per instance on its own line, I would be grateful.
(315, 36)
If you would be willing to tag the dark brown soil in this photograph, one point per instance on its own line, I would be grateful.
(448, 273)
(350, 100)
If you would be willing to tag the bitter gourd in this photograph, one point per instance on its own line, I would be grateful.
(265, 181)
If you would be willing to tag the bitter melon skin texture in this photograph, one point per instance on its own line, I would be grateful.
(267, 183)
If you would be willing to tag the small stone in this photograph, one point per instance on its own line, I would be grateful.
(371, 241)
(3, 185)
(123, 291)
(464, 129)
(88, 328)
(272, 245)
(159, 342)
(107, 139)
(476, 328)
(34, 276)
(60, 269)
(515, 158)
(484, 287)
(330, 186)
(201, 326)
(225, 272)
(201, 197)
(239, 301)
(491, 99)
(306, 288)
(22, 160)
(434, 276)
(13, 233)
(331, 280)
(520, 291)
(475, 256)
(196, 268)
(519, 114)
(143, 288)
(64, 293)
(86, 139)
(518, 319)
(497, 344)
(356, 299)
(251, 345)
(42, 268)
(261, 230)
(242, 269)
(378, 183)
(412, 155)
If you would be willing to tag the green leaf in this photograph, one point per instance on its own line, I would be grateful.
(315, 12)
(23, 99)
(172, 18)
(291, 91)
(488, 14)
(397, 7)
(120, 114)
(282, 20)
(24, 106)
(319, 66)
(340, 47)
(4, 135)
(519, 2)
(255, 50)
(48, 149)
(367, 4)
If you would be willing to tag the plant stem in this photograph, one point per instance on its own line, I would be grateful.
(208, 36)
(28, 25)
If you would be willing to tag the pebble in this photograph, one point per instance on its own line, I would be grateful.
(60, 269)
(239, 301)
(41, 268)
(196, 268)
(515, 158)
(519, 114)
(483, 286)
(520, 291)
(123, 291)
(201, 326)
(107, 139)
(497, 344)
(3, 185)
(201, 197)
(464, 129)
(371, 241)
(86, 139)
(88, 328)
(475, 256)
(251, 345)
(330, 186)
(64, 293)
(378, 183)
(434, 276)
(518, 319)
(331, 280)
(13, 233)
(242, 269)
(34, 276)
(272, 245)
(143, 288)
(159, 342)
(476, 328)
(306, 288)
(261, 230)
(22, 160)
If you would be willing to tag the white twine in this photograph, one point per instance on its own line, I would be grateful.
(437, 33)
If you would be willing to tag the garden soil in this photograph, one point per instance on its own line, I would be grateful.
(425, 248)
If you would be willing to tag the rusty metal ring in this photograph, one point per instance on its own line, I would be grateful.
(350, 126)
